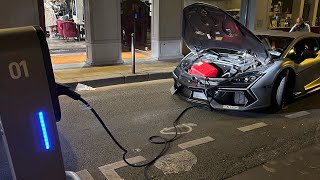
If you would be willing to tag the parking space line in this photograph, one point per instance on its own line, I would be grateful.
(121, 164)
(297, 114)
(111, 174)
(252, 127)
(196, 142)
(109, 170)
(84, 174)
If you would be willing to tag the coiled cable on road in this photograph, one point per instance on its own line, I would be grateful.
(64, 90)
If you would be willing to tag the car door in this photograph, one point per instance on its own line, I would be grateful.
(308, 68)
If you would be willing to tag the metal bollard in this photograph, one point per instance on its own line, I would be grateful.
(133, 47)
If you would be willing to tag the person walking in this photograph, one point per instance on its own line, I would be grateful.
(300, 26)
(50, 17)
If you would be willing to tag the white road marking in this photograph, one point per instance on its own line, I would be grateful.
(84, 107)
(196, 142)
(111, 174)
(85, 175)
(272, 170)
(297, 114)
(83, 87)
(109, 170)
(184, 129)
(252, 127)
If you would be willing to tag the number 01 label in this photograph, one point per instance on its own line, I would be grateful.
(19, 70)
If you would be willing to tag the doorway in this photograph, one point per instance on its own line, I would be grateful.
(135, 17)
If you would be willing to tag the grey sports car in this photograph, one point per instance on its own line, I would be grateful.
(229, 67)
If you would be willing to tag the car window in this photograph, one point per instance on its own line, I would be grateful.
(318, 40)
(276, 45)
(296, 53)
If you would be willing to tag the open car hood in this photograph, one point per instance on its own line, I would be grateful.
(208, 27)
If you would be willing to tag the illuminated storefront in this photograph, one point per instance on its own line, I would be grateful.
(284, 13)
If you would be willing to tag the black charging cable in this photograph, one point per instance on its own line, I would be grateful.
(65, 90)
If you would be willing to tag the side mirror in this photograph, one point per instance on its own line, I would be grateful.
(306, 54)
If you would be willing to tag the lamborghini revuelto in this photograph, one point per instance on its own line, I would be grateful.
(229, 67)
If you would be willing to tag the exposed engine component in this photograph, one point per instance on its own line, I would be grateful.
(225, 65)
(204, 69)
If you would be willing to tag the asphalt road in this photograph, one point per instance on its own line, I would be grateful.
(137, 111)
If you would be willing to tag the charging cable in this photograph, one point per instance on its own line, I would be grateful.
(65, 90)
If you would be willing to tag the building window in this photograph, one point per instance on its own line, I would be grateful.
(281, 14)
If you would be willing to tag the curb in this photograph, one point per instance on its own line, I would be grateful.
(122, 80)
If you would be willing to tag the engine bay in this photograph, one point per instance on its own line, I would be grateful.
(222, 65)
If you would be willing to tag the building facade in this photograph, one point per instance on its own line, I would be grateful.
(104, 30)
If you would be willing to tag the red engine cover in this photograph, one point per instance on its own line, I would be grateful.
(204, 69)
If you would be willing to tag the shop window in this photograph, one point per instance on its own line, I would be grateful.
(280, 14)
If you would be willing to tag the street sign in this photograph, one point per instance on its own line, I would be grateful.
(29, 106)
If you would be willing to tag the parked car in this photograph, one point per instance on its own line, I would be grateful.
(229, 67)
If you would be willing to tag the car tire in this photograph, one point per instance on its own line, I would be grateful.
(279, 94)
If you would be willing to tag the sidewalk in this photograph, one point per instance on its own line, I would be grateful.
(146, 70)
(68, 58)
(304, 164)
(81, 57)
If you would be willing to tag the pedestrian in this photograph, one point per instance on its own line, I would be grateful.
(50, 17)
(300, 26)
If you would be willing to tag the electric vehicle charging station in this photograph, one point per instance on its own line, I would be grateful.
(29, 109)
(29, 106)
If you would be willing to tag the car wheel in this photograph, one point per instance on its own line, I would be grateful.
(279, 91)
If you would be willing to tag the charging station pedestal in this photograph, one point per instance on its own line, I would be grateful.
(29, 106)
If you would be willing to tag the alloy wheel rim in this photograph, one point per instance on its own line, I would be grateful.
(280, 91)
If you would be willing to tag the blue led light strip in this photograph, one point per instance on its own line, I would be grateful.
(44, 130)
